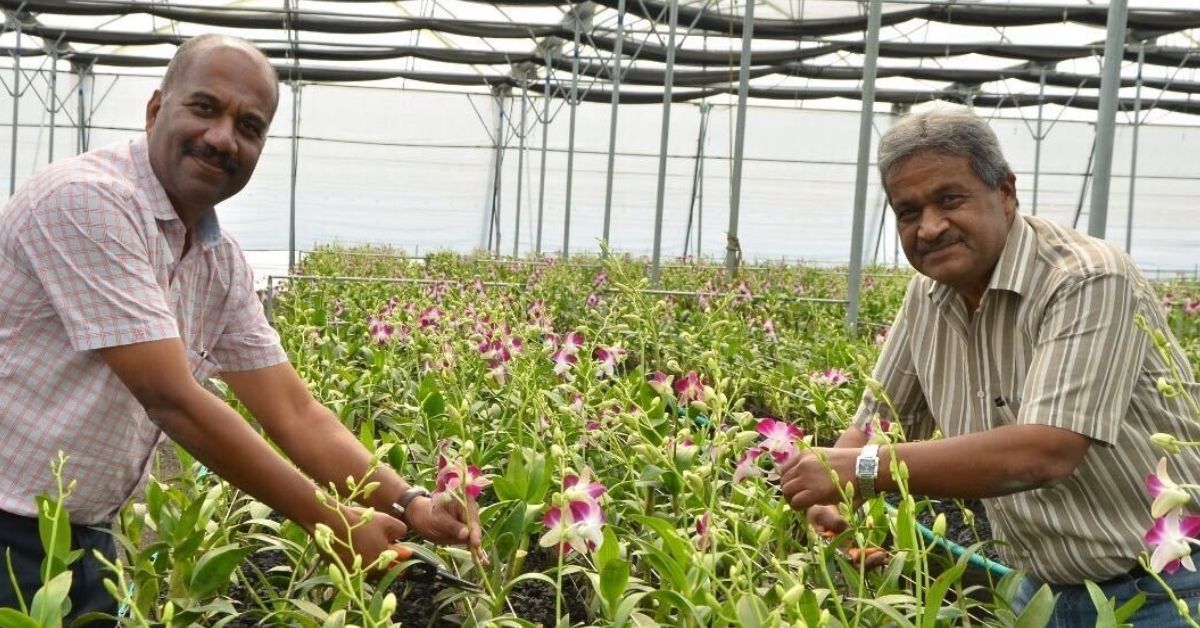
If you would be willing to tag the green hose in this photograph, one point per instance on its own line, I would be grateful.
(976, 560)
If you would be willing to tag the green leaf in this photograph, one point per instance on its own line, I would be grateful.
(336, 620)
(50, 602)
(1105, 618)
(1037, 613)
(614, 577)
(681, 550)
(214, 568)
(609, 549)
(433, 404)
(12, 618)
(310, 609)
(810, 608)
(751, 610)
(937, 592)
(54, 528)
(1126, 610)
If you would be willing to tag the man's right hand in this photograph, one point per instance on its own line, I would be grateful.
(828, 522)
(369, 539)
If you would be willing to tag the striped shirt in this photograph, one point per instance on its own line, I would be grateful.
(1053, 342)
(90, 258)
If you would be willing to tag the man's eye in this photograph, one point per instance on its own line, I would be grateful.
(202, 107)
(953, 200)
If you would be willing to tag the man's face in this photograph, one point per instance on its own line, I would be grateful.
(207, 130)
(952, 225)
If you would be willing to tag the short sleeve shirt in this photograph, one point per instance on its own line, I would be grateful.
(90, 257)
(1053, 342)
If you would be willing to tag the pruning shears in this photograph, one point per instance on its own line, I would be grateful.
(425, 567)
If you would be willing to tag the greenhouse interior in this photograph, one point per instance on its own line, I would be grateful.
(599, 313)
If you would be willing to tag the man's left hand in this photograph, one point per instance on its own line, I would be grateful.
(806, 481)
(445, 523)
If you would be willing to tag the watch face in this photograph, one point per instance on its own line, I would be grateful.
(866, 466)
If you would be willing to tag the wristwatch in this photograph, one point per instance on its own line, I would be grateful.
(400, 506)
(866, 469)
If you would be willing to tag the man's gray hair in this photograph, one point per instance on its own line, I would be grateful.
(956, 132)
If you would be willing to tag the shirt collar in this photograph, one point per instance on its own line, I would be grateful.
(208, 228)
(1013, 269)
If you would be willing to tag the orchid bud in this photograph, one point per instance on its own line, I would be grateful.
(673, 365)
(336, 577)
(453, 412)
(939, 524)
(168, 615)
(703, 471)
(389, 605)
(793, 595)
(694, 482)
(556, 451)
(968, 517)
(1166, 442)
(1183, 608)
(388, 556)
(1165, 387)
(699, 405)
(1160, 338)
(112, 589)
(367, 515)
(323, 536)
(902, 472)
(356, 566)
(746, 437)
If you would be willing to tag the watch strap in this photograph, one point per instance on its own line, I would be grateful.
(399, 507)
(866, 470)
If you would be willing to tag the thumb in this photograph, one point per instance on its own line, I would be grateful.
(393, 528)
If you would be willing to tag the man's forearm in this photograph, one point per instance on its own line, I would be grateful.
(224, 442)
(329, 453)
(997, 462)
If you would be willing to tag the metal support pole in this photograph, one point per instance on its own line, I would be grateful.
(732, 247)
(697, 179)
(1037, 140)
(86, 83)
(566, 248)
(53, 97)
(1137, 124)
(707, 109)
(874, 17)
(1106, 118)
(537, 247)
(490, 234)
(295, 168)
(615, 76)
(16, 111)
(520, 171)
(669, 79)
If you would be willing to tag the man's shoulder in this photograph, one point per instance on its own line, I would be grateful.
(109, 170)
(1073, 255)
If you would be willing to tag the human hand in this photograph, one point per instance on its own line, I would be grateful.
(368, 538)
(448, 522)
(829, 523)
(805, 478)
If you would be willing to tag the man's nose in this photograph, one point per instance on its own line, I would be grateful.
(932, 225)
(220, 136)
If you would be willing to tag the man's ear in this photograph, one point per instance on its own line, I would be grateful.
(152, 109)
(1008, 188)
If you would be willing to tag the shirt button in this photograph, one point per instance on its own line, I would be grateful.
(979, 393)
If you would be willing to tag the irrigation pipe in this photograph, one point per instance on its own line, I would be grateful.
(976, 560)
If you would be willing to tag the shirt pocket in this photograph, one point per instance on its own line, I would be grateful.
(1004, 409)
(202, 364)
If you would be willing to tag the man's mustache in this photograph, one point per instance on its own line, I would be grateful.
(943, 241)
(226, 161)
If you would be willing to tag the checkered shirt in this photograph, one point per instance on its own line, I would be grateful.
(90, 258)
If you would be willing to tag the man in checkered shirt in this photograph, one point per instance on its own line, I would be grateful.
(120, 294)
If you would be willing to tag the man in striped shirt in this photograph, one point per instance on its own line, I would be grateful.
(1017, 342)
(120, 295)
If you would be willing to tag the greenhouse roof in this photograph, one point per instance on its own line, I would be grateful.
(988, 54)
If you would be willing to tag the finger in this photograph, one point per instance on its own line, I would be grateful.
(802, 500)
(393, 528)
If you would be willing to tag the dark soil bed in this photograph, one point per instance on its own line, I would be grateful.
(417, 603)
